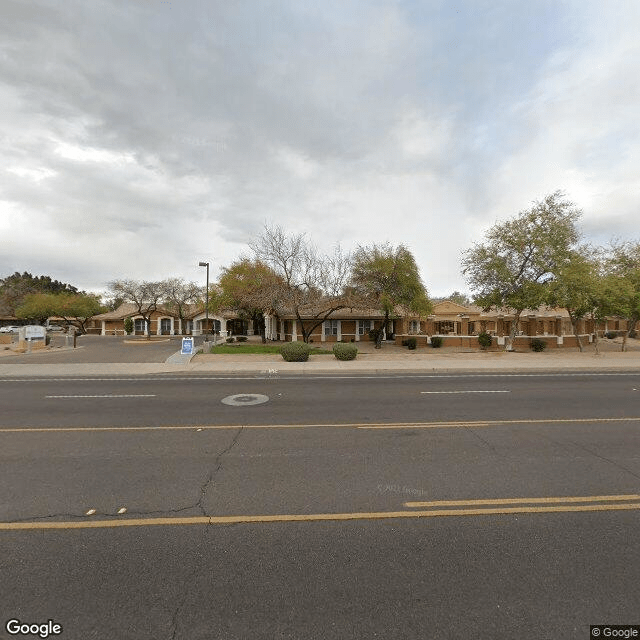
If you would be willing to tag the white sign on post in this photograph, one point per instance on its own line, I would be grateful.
(34, 331)
(187, 346)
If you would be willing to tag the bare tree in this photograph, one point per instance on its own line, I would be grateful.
(178, 295)
(311, 285)
(146, 296)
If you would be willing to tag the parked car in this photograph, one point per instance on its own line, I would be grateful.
(10, 329)
(55, 327)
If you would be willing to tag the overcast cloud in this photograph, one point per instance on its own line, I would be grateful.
(140, 137)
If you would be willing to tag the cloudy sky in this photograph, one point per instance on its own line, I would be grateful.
(139, 137)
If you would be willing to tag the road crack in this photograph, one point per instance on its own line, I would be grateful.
(593, 453)
(211, 476)
(204, 488)
(485, 442)
(182, 601)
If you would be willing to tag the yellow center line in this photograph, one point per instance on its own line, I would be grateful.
(494, 423)
(314, 517)
(452, 424)
(498, 501)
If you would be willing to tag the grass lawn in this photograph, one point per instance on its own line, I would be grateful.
(256, 348)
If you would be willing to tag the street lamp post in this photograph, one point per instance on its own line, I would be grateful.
(206, 308)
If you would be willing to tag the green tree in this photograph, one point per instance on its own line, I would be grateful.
(623, 270)
(577, 287)
(14, 288)
(75, 309)
(386, 278)
(251, 288)
(519, 257)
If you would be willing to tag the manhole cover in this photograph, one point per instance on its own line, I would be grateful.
(245, 399)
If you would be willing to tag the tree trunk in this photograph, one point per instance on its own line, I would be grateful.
(574, 324)
(632, 323)
(512, 333)
(383, 331)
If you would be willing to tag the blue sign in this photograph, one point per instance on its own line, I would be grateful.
(187, 346)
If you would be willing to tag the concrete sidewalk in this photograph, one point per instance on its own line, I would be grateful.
(366, 363)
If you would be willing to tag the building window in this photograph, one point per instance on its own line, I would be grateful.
(364, 326)
(138, 325)
(165, 326)
(330, 327)
(414, 326)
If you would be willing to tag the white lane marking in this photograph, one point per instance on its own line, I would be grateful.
(141, 395)
(436, 392)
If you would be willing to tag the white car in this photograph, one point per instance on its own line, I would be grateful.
(9, 329)
(54, 327)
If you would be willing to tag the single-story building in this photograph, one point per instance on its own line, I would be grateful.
(458, 325)
(164, 321)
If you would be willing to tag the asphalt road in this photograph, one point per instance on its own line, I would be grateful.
(558, 457)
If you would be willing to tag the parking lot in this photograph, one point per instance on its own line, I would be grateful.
(91, 349)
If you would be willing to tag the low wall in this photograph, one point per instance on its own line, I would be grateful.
(521, 343)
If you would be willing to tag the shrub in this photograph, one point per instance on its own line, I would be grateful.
(242, 338)
(345, 351)
(231, 340)
(412, 343)
(484, 340)
(374, 334)
(610, 334)
(405, 343)
(436, 342)
(538, 345)
(295, 351)
(128, 325)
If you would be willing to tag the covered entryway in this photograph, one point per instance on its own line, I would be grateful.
(237, 327)
(446, 327)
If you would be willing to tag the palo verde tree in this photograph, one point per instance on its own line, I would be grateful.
(386, 278)
(144, 295)
(251, 288)
(312, 286)
(74, 308)
(518, 258)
